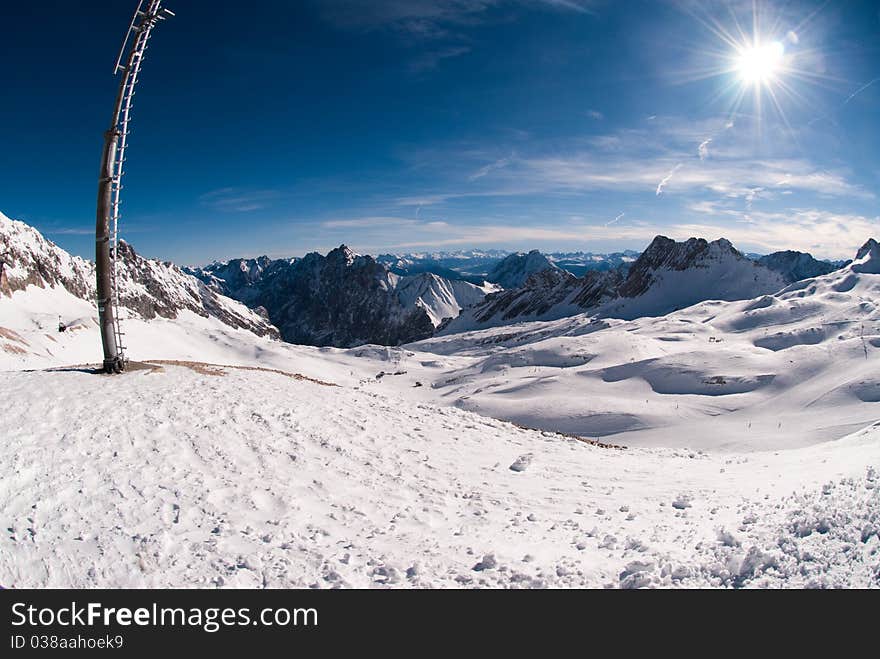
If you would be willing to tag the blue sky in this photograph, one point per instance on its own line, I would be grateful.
(403, 125)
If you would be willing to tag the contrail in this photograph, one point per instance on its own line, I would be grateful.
(848, 99)
(616, 219)
(666, 179)
(859, 91)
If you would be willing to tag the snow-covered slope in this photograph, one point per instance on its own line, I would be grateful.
(439, 297)
(203, 477)
(782, 370)
(545, 295)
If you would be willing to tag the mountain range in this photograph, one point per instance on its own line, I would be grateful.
(343, 299)
(668, 275)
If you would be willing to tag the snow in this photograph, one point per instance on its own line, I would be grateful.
(186, 476)
(780, 371)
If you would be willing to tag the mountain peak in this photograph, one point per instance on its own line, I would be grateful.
(868, 258)
(513, 270)
(723, 244)
(342, 253)
(665, 254)
(867, 248)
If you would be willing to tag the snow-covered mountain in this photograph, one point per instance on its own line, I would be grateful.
(513, 270)
(867, 259)
(668, 275)
(672, 275)
(42, 285)
(342, 299)
(794, 266)
(28, 259)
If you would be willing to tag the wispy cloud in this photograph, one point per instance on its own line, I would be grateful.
(369, 222)
(125, 228)
(860, 90)
(419, 22)
(488, 169)
(588, 172)
(824, 233)
(660, 158)
(703, 149)
(238, 200)
(751, 195)
(493, 235)
(427, 18)
(821, 233)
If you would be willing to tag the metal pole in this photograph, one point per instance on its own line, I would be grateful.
(114, 362)
(110, 182)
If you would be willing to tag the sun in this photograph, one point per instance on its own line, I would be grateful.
(760, 64)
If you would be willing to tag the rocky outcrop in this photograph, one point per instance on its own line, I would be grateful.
(441, 298)
(31, 260)
(155, 288)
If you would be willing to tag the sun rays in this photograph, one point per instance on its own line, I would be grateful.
(762, 57)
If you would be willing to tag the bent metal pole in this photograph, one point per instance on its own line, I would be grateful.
(147, 14)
